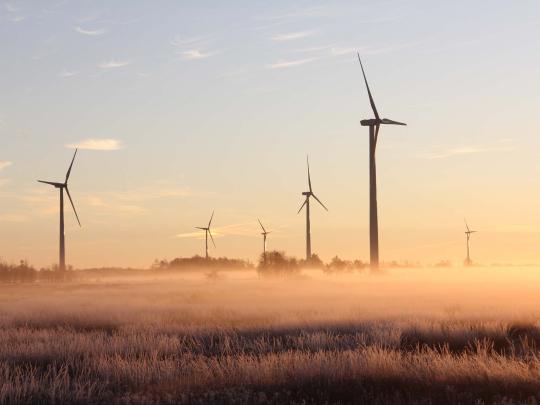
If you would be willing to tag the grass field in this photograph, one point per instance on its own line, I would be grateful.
(449, 335)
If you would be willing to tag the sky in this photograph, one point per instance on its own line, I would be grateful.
(180, 108)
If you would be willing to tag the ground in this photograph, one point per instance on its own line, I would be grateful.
(432, 335)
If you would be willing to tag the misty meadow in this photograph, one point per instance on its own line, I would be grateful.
(445, 336)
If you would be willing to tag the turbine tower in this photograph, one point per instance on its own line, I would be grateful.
(63, 186)
(468, 232)
(263, 233)
(374, 125)
(309, 194)
(207, 232)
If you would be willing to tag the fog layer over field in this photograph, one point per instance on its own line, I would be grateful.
(230, 298)
(401, 335)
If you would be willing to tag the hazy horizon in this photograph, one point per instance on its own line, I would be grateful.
(182, 108)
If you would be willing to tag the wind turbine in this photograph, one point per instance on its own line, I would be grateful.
(468, 232)
(374, 125)
(309, 194)
(207, 232)
(263, 233)
(63, 186)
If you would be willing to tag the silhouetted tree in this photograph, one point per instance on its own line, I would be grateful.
(21, 273)
(199, 262)
(314, 262)
(277, 264)
(337, 265)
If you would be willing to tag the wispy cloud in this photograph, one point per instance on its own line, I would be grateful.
(15, 18)
(97, 144)
(13, 13)
(194, 48)
(291, 36)
(113, 64)
(194, 234)
(290, 63)
(93, 33)
(67, 73)
(467, 150)
(194, 54)
(10, 8)
(343, 51)
(180, 41)
(4, 164)
(242, 229)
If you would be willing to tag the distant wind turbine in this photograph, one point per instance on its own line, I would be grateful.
(207, 232)
(309, 194)
(468, 232)
(264, 233)
(63, 186)
(374, 125)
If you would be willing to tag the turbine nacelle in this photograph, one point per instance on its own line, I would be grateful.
(54, 184)
(373, 122)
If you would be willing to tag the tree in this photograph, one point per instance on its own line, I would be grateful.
(277, 263)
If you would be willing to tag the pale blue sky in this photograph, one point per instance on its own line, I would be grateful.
(215, 105)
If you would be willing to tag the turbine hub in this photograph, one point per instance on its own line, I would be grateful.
(370, 122)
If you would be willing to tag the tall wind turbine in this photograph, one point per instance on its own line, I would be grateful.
(468, 232)
(309, 194)
(207, 232)
(263, 233)
(374, 125)
(63, 186)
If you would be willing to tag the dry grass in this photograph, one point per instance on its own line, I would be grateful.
(406, 337)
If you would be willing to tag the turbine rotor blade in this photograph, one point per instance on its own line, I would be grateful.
(308, 174)
(368, 90)
(302, 206)
(210, 222)
(319, 201)
(70, 166)
(201, 228)
(211, 237)
(467, 226)
(73, 206)
(377, 127)
(391, 122)
(264, 230)
(52, 183)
